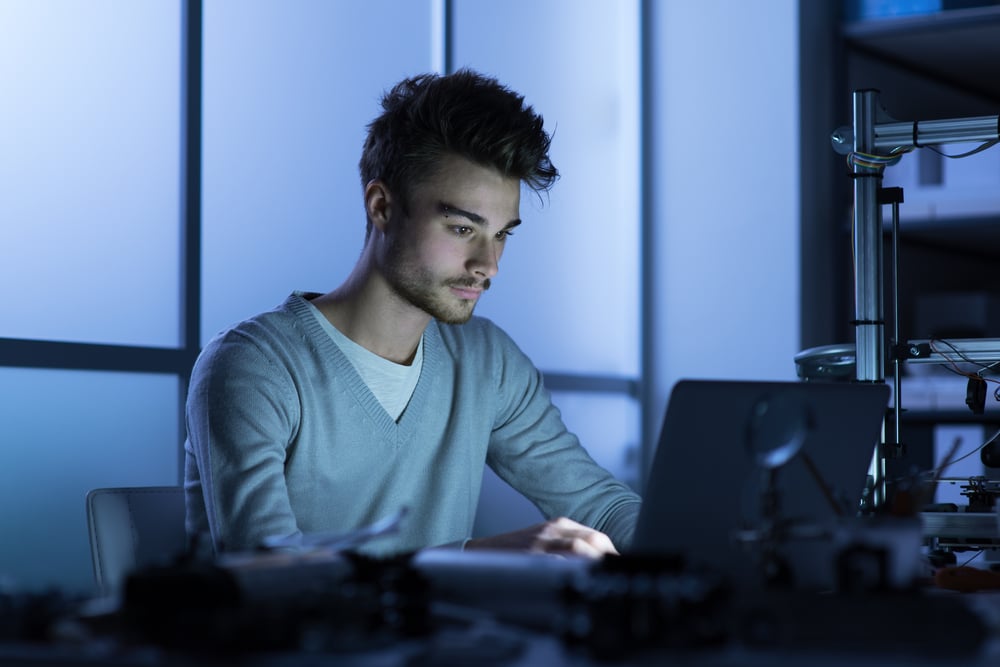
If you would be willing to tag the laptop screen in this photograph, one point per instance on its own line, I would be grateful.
(735, 455)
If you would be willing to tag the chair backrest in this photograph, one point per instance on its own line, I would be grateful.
(132, 527)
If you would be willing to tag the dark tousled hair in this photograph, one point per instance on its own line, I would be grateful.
(465, 113)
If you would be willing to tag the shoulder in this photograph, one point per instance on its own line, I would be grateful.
(480, 344)
(289, 318)
(259, 340)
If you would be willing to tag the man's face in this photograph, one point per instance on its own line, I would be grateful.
(441, 256)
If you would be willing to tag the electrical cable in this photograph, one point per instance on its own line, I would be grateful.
(978, 554)
(946, 463)
(957, 370)
(876, 162)
(879, 162)
(983, 146)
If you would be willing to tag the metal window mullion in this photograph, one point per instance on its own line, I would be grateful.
(192, 27)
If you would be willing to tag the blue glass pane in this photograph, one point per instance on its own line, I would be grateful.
(64, 433)
(568, 287)
(289, 89)
(725, 191)
(89, 171)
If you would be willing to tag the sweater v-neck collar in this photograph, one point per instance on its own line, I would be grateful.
(391, 430)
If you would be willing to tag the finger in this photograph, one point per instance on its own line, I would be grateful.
(603, 543)
(581, 546)
(584, 542)
(598, 541)
(567, 545)
(564, 527)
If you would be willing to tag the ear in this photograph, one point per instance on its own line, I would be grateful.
(378, 204)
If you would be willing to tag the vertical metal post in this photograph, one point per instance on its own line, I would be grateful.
(869, 313)
(897, 384)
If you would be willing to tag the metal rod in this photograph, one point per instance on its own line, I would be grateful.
(896, 378)
(918, 133)
(868, 306)
(868, 312)
(913, 134)
(974, 350)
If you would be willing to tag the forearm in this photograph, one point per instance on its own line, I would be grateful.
(620, 520)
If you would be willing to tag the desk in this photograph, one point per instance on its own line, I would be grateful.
(499, 610)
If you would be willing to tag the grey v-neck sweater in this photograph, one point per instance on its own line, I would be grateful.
(284, 438)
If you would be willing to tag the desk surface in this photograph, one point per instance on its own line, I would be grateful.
(494, 612)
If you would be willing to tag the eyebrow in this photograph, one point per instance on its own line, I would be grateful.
(447, 209)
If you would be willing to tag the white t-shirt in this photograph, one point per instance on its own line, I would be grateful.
(391, 383)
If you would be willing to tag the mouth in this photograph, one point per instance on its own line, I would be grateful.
(469, 290)
(469, 293)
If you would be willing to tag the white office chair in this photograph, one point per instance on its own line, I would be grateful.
(132, 527)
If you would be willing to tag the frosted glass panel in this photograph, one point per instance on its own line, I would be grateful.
(89, 171)
(608, 427)
(727, 232)
(289, 89)
(568, 286)
(64, 433)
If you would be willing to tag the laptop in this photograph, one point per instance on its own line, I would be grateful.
(725, 445)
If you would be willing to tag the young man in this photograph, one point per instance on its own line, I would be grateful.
(335, 410)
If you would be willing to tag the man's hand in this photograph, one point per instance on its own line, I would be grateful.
(555, 536)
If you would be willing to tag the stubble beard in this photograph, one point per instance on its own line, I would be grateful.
(418, 286)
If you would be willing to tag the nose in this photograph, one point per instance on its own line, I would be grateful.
(485, 261)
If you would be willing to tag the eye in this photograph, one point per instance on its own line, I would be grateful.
(503, 234)
(461, 230)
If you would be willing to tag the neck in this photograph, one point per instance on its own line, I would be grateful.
(367, 311)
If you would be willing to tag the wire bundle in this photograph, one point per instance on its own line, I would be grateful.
(875, 162)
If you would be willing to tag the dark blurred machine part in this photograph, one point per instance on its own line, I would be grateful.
(320, 602)
(956, 315)
(909, 626)
(619, 608)
(449, 607)
(638, 604)
(523, 589)
(827, 363)
(965, 527)
(34, 617)
(989, 455)
(344, 602)
(982, 493)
